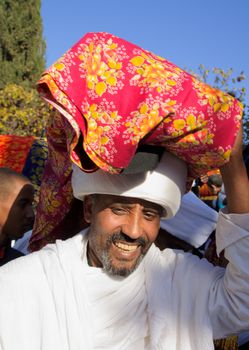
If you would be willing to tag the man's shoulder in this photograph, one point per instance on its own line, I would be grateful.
(41, 268)
(24, 265)
(50, 254)
(10, 254)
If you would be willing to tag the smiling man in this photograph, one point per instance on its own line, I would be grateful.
(124, 211)
(109, 287)
(121, 232)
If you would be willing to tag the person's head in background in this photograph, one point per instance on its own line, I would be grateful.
(215, 182)
(16, 211)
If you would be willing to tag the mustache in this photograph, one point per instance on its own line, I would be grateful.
(122, 237)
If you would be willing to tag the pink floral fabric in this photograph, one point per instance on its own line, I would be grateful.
(112, 96)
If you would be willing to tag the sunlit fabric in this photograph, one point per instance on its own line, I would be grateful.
(112, 96)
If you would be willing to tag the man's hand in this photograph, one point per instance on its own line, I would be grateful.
(235, 179)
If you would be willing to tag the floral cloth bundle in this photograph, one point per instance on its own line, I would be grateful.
(110, 97)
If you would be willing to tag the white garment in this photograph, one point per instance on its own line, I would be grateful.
(52, 300)
(194, 222)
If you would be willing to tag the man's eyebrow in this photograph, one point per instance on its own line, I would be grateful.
(145, 207)
(152, 209)
(121, 203)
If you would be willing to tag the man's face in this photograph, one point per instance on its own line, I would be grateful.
(121, 232)
(16, 212)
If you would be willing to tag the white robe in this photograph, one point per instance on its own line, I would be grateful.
(52, 300)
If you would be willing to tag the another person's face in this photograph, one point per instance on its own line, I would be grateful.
(17, 215)
(204, 178)
(121, 232)
(215, 189)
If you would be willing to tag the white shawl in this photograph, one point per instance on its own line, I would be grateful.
(52, 300)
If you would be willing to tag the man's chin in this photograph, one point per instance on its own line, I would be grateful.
(122, 270)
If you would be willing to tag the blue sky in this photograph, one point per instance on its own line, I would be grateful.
(214, 33)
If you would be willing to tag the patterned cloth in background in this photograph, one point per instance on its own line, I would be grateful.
(14, 151)
(35, 163)
(26, 155)
(112, 96)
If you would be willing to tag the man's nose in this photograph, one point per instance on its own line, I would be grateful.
(133, 226)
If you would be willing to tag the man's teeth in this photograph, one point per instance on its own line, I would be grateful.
(126, 247)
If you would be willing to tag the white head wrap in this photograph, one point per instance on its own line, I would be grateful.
(164, 185)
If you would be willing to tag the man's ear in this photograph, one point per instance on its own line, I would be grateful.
(88, 207)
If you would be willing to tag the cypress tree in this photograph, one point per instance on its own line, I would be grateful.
(22, 47)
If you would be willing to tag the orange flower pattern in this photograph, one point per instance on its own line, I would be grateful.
(112, 96)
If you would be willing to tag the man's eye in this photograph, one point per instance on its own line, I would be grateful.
(118, 210)
(149, 215)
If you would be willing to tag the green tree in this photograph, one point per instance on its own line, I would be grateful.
(229, 82)
(22, 47)
(22, 111)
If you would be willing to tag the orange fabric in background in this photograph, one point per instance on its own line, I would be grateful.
(14, 151)
(213, 172)
(205, 193)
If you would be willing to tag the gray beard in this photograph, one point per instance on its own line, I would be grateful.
(113, 271)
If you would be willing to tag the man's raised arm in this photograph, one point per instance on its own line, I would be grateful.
(229, 297)
(235, 179)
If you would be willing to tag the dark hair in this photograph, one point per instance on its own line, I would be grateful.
(215, 179)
